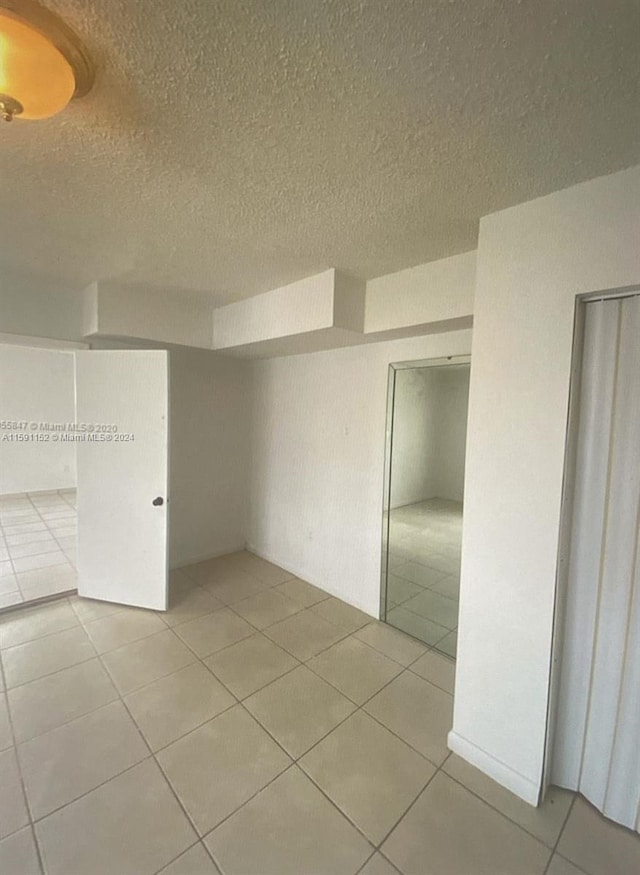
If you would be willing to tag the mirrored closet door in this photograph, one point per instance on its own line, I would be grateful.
(423, 500)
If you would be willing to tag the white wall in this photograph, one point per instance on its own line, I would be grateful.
(209, 454)
(451, 432)
(318, 460)
(158, 315)
(36, 385)
(429, 293)
(37, 307)
(415, 427)
(429, 434)
(532, 262)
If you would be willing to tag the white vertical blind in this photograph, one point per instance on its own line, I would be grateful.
(597, 738)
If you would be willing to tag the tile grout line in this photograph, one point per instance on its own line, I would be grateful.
(200, 659)
(498, 811)
(295, 761)
(560, 834)
(14, 749)
(48, 531)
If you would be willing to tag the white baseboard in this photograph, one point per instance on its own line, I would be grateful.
(523, 787)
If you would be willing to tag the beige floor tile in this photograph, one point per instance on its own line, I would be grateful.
(49, 586)
(6, 738)
(207, 635)
(415, 625)
(44, 656)
(195, 861)
(560, 866)
(60, 511)
(123, 627)
(356, 669)
(544, 822)
(266, 608)
(29, 624)
(13, 808)
(305, 634)
(301, 592)
(62, 531)
(448, 586)
(418, 712)
(174, 705)
(42, 560)
(49, 702)
(25, 528)
(39, 576)
(8, 583)
(67, 762)
(399, 590)
(250, 664)
(6, 569)
(18, 517)
(420, 574)
(9, 599)
(299, 709)
(266, 572)
(144, 661)
(86, 837)
(188, 603)
(234, 588)
(216, 768)
(458, 834)
(377, 865)
(287, 823)
(68, 542)
(394, 644)
(92, 609)
(19, 538)
(211, 570)
(369, 773)
(33, 548)
(598, 845)
(341, 614)
(449, 644)
(436, 669)
(434, 607)
(18, 854)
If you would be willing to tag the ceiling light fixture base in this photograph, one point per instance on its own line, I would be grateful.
(9, 108)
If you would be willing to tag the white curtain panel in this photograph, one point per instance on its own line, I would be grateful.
(597, 740)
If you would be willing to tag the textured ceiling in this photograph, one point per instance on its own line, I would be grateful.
(231, 146)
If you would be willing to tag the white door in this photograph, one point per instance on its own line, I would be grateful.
(122, 397)
(596, 750)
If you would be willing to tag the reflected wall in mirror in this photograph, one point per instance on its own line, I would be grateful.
(424, 484)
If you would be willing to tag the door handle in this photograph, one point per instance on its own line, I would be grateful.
(158, 502)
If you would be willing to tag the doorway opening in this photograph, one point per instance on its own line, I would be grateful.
(84, 455)
(38, 478)
(423, 498)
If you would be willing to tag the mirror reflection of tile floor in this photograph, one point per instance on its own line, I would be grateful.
(37, 545)
(423, 583)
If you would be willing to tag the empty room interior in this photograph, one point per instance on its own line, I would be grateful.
(319, 437)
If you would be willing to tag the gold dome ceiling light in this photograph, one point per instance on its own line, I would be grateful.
(43, 64)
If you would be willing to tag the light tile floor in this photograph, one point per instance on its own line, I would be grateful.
(423, 582)
(259, 727)
(37, 545)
